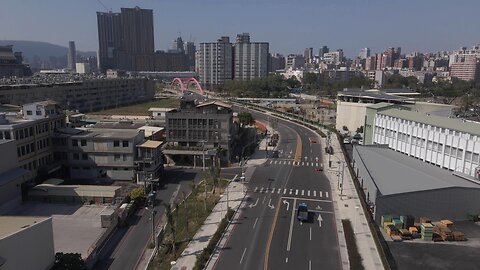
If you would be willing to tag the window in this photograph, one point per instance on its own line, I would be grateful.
(74, 143)
(116, 143)
(459, 153)
(125, 143)
(124, 157)
(7, 135)
(84, 156)
(76, 156)
(468, 156)
(29, 112)
(83, 142)
(38, 113)
(116, 157)
(475, 158)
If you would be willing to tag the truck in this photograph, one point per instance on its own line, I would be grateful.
(302, 212)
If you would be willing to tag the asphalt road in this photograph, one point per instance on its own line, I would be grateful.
(268, 234)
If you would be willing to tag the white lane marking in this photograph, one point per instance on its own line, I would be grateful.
(253, 205)
(286, 259)
(306, 199)
(291, 225)
(291, 191)
(320, 194)
(326, 194)
(279, 190)
(314, 193)
(263, 202)
(273, 190)
(303, 192)
(310, 233)
(309, 265)
(303, 163)
(308, 193)
(243, 255)
(284, 190)
(317, 164)
(261, 190)
(256, 188)
(296, 192)
(255, 224)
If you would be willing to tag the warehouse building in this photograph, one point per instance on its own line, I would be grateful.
(396, 184)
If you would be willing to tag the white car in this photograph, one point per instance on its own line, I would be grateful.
(360, 142)
(346, 141)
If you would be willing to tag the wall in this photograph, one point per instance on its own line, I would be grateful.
(369, 187)
(30, 248)
(8, 149)
(351, 114)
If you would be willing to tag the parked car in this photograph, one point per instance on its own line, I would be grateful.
(346, 140)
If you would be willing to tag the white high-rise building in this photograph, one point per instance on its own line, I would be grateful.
(250, 58)
(364, 53)
(214, 62)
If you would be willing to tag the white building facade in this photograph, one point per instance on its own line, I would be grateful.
(449, 143)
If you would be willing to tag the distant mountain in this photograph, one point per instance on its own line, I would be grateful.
(42, 50)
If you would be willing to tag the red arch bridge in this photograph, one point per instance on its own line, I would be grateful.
(185, 82)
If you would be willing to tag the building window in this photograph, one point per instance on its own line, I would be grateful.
(76, 156)
(84, 156)
(116, 157)
(124, 157)
(116, 143)
(74, 143)
(125, 143)
(29, 112)
(38, 112)
(83, 142)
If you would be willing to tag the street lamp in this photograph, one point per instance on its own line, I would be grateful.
(153, 212)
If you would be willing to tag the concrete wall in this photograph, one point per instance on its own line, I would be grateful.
(30, 248)
(351, 114)
(449, 203)
(369, 187)
(8, 149)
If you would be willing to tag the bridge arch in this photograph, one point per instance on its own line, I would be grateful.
(184, 82)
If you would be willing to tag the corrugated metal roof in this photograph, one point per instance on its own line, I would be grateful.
(444, 122)
(396, 173)
(150, 144)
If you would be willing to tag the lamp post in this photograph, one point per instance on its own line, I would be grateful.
(153, 212)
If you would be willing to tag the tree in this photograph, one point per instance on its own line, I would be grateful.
(245, 118)
(137, 193)
(70, 261)
(170, 220)
(293, 82)
(310, 79)
(215, 175)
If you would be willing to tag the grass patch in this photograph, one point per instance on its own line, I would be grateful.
(187, 219)
(353, 254)
(141, 108)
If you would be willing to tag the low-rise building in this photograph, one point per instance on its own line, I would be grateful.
(149, 161)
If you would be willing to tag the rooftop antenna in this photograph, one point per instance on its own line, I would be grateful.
(100, 2)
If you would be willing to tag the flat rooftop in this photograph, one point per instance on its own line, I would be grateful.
(395, 173)
(13, 224)
(111, 133)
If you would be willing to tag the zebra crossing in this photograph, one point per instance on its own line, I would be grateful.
(293, 192)
(294, 163)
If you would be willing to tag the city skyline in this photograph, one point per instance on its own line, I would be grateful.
(291, 27)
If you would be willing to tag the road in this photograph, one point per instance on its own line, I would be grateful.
(268, 234)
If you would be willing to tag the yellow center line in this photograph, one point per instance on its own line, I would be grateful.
(298, 150)
(270, 237)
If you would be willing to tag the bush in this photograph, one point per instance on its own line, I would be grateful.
(71, 261)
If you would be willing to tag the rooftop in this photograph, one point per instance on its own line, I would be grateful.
(371, 94)
(395, 173)
(13, 224)
(11, 175)
(150, 144)
(52, 187)
(433, 120)
(161, 109)
(100, 133)
(216, 102)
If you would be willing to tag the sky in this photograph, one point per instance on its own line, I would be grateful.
(289, 26)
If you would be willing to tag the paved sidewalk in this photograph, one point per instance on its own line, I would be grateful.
(349, 207)
(202, 237)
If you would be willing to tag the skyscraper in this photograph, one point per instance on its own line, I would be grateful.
(177, 45)
(109, 38)
(189, 48)
(308, 55)
(72, 56)
(364, 53)
(126, 39)
(250, 58)
(214, 62)
(323, 50)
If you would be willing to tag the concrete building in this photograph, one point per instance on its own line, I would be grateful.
(99, 154)
(396, 184)
(82, 68)
(333, 57)
(214, 62)
(32, 135)
(364, 53)
(84, 96)
(159, 113)
(109, 39)
(277, 62)
(12, 178)
(294, 61)
(26, 243)
(149, 161)
(250, 58)
(468, 70)
(448, 143)
(201, 129)
(352, 106)
(11, 64)
(323, 50)
(190, 49)
(72, 57)
(464, 54)
(308, 55)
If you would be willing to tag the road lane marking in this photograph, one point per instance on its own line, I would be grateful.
(309, 265)
(273, 190)
(289, 243)
(284, 190)
(279, 190)
(308, 193)
(320, 194)
(243, 255)
(296, 192)
(320, 211)
(298, 150)
(263, 202)
(310, 233)
(270, 237)
(286, 259)
(261, 190)
(254, 224)
(305, 199)
(256, 188)
(303, 192)
(317, 164)
(326, 194)
(314, 193)
(291, 191)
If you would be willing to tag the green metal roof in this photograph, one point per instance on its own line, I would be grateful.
(444, 122)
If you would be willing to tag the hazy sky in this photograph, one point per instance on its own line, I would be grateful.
(289, 26)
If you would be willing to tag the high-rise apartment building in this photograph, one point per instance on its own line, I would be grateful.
(126, 39)
(109, 38)
(214, 62)
(323, 50)
(468, 70)
(277, 62)
(294, 61)
(190, 49)
(364, 53)
(72, 56)
(308, 55)
(250, 58)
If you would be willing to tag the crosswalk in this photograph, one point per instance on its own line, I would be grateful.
(293, 192)
(294, 163)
